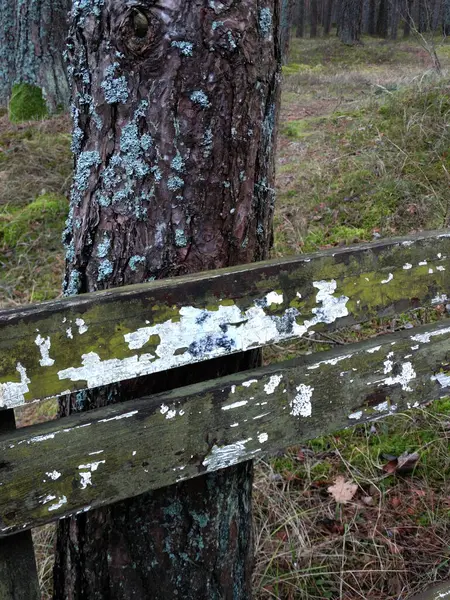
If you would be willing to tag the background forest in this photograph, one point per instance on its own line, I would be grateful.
(363, 152)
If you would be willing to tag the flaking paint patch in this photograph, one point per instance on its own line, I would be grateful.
(235, 405)
(272, 384)
(44, 347)
(425, 338)
(301, 403)
(53, 474)
(331, 361)
(82, 327)
(12, 393)
(390, 277)
(262, 437)
(406, 375)
(249, 382)
(356, 415)
(442, 378)
(86, 472)
(374, 349)
(224, 456)
(61, 501)
(118, 417)
(203, 334)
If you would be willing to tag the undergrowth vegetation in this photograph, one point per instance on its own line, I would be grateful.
(363, 152)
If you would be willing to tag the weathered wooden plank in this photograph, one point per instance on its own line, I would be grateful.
(18, 574)
(96, 339)
(109, 454)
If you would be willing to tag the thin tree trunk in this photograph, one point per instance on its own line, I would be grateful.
(32, 40)
(328, 8)
(407, 17)
(175, 115)
(300, 19)
(313, 18)
(287, 20)
(446, 23)
(372, 17)
(350, 21)
(395, 19)
(383, 19)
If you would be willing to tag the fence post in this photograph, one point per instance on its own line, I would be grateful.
(18, 574)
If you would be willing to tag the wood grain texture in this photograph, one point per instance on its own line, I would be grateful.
(83, 342)
(96, 458)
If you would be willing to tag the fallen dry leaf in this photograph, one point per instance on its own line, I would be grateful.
(403, 464)
(342, 490)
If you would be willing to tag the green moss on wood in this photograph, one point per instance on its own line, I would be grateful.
(26, 103)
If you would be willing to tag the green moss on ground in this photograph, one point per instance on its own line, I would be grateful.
(27, 103)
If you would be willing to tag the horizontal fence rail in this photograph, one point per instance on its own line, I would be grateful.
(96, 339)
(87, 460)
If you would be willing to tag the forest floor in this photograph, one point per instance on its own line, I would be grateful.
(363, 152)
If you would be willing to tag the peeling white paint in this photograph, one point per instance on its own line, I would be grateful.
(415, 347)
(272, 384)
(262, 437)
(203, 334)
(86, 472)
(407, 266)
(330, 361)
(274, 298)
(116, 418)
(407, 243)
(42, 438)
(249, 382)
(13, 394)
(425, 338)
(82, 327)
(234, 425)
(233, 389)
(235, 405)
(404, 378)
(430, 271)
(62, 500)
(440, 268)
(165, 410)
(301, 404)
(96, 452)
(261, 416)
(44, 348)
(224, 456)
(442, 378)
(53, 474)
(423, 263)
(47, 499)
(69, 333)
(389, 278)
(374, 349)
(356, 415)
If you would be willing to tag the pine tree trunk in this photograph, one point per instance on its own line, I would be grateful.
(350, 17)
(175, 113)
(407, 17)
(287, 21)
(383, 19)
(395, 19)
(372, 17)
(300, 19)
(328, 8)
(313, 15)
(446, 24)
(32, 41)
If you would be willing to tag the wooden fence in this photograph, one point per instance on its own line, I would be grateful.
(87, 460)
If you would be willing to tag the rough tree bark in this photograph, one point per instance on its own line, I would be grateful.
(349, 21)
(175, 112)
(372, 17)
(32, 41)
(287, 20)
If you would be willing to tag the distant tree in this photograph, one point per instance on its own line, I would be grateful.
(32, 42)
(349, 21)
(383, 18)
(300, 19)
(395, 19)
(407, 17)
(327, 12)
(313, 18)
(446, 23)
(372, 18)
(287, 20)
